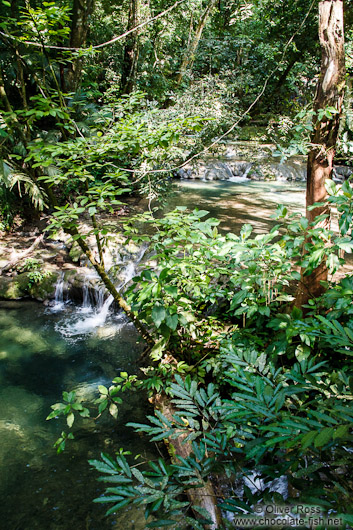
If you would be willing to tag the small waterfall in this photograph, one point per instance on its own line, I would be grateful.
(86, 303)
(89, 317)
(59, 294)
(99, 298)
(89, 323)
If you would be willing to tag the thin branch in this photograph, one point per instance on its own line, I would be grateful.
(102, 45)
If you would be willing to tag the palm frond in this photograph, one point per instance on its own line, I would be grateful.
(10, 178)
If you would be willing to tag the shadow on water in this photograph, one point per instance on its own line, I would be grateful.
(39, 489)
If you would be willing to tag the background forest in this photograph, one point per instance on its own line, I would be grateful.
(248, 339)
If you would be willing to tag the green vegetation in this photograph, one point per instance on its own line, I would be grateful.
(256, 388)
(248, 339)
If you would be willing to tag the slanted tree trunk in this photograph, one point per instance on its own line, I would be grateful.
(282, 78)
(81, 11)
(329, 93)
(204, 496)
(131, 50)
(189, 55)
(118, 297)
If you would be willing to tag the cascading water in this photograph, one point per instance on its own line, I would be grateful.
(86, 303)
(89, 317)
(59, 294)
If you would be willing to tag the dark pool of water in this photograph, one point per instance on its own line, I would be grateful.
(39, 489)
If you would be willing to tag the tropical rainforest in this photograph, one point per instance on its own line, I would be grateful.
(247, 339)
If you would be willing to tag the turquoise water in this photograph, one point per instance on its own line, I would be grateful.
(236, 203)
(39, 489)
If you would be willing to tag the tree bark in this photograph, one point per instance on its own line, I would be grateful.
(131, 50)
(281, 80)
(189, 55)
(329, 93)
(81, 11)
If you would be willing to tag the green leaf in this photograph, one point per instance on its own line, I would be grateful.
(70, 419)
(331, 187)
(113, 410)
(161, 522)
(137, 474)
(158, 349)
(341, 432)
(172, 321)
(324, 436)
(308, 438)
(117, 506)
(158, 315)
(200, 213)
(172, 290)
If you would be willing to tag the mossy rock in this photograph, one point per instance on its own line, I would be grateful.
(10, 288)
(45, 288)
(17, 287)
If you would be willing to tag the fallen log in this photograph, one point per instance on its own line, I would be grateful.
(11, 264)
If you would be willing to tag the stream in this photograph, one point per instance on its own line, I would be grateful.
(44, 351)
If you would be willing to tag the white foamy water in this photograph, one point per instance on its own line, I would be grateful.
(59, 303)
(239, 179)
(91, 317)
(89, 323)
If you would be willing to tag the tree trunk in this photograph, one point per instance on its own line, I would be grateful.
(281, 80)
(205, 496)
(131, 50)
(329, 93)
(81, 11)
(189, 55)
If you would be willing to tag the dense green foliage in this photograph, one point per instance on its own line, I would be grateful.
(53, 93)
(259, 389)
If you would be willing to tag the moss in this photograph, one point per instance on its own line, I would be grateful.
(10, 289)
(17, 287)
(45, 288)
(253, 132)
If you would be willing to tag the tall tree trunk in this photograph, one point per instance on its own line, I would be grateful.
(205, 496)
(282, 78)
(189, 55)
(329, 93)
(81, 11)
(131, 50)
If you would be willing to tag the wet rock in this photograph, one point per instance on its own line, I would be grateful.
(342, 172)
(45, 288)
